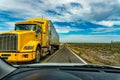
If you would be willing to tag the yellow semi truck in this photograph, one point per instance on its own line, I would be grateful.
(31, 40)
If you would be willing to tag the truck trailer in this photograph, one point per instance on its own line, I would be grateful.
(29, 41)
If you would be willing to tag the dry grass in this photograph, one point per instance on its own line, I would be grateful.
(98, 54)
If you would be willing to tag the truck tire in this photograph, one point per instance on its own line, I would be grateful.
(51, 50)
(37, 56)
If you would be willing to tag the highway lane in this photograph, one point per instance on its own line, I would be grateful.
(65, 55)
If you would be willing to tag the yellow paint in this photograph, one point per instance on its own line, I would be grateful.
(28, 38)
(19, 57)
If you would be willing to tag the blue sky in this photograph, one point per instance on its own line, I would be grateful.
(74, 20)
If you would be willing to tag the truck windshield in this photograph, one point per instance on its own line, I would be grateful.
(25, 27)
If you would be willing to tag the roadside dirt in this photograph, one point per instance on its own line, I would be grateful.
(98, 57)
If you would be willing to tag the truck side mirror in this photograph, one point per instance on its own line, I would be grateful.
(37, 33)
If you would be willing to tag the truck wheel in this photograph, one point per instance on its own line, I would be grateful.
(51, 50)
(37, 57)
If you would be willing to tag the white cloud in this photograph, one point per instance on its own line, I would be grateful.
(7, 26)
(91, 38)
(104, 30)
(66, 29)
(10, 24)
(109, 23)
(29, 8)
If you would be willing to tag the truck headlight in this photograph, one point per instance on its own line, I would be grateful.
(28, 47)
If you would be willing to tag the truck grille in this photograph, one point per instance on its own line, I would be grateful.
(8, 42)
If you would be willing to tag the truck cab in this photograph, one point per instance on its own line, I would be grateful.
(30, 40)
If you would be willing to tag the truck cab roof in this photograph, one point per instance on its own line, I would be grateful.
(34, 21)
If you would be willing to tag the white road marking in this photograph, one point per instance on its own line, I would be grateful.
(78, 57)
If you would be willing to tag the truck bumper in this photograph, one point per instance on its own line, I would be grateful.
(18, 57)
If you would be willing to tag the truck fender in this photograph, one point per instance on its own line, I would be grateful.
(35, 44)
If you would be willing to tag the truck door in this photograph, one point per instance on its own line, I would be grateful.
(38, 33)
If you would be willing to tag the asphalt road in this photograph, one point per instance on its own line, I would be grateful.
(65, 55)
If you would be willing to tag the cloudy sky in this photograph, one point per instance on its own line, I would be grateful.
(74, 20)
